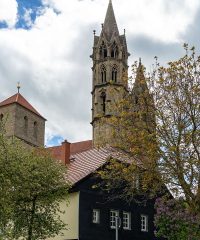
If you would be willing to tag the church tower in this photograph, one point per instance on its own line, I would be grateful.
(22, 121)
(110, 73)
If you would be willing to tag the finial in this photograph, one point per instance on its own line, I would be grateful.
(102, 25)
(140, 61)
(94, 31)
(124, 31)
(18, 86)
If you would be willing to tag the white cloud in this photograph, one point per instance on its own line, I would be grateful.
(52, 58)
(27, 17)
(8, 12)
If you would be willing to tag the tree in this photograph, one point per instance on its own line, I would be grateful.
(32, 185)
(168, 153)
(175, 222)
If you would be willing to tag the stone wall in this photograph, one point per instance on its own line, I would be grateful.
(31, 130)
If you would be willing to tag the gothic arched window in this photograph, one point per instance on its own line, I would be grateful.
(103, 74)
(114, 73)
(35, 130)
(25, 125)
(103, 51)
(1, 117)
(103, 97)
(114, 50)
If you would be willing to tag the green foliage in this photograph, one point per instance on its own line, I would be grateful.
(32, 185)
(158, 125)
(175, 222)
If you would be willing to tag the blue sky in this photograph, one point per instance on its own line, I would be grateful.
(27, 5)
(46, 44)
(27, 12)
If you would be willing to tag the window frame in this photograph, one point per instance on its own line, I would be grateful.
(96, 216)
(113, 218)
(127, 220)
(144, 223)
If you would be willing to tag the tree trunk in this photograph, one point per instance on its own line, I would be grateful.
(30, 227)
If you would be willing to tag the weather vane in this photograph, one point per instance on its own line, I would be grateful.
(18, 86)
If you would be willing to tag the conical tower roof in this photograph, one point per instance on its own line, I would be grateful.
(110, 24)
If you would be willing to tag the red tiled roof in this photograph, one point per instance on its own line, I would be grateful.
(77, 147)
(85, 160)
(18, 98)
(85, 163)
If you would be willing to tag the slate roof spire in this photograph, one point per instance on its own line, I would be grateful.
(110, 24)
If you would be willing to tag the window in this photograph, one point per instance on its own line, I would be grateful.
(96, 216)
(114, 50)
(114, 73)
(126, 220)
(103, 51)
(1, 121)
(123, 55)
(25, 125)
(144, 223)
(113, 215)
(103, 97)
(35, 130)
(103, 74)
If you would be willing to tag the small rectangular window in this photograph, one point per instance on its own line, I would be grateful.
(96, 216)
(144, 223)
(127, 220)
(113, 215)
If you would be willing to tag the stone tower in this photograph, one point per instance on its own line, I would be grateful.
(110, 71)
(143, 102)
(22, 120)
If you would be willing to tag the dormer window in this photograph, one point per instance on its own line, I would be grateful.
(114, 50)
(114, 73)
(103, 74)
(35, 130)
(25, 125)
(103, 51)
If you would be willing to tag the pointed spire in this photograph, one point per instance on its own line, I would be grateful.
(140, 78)
(140, 84)
(110, 24)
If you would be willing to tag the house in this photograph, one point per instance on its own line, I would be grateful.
(90, 215)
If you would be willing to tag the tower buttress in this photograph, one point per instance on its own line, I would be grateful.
(110, 73)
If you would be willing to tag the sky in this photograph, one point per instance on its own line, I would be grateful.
(45, 45)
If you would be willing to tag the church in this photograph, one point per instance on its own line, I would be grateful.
(89, 215)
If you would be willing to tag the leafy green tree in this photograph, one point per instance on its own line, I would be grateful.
(32, 185)
(168, 153)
